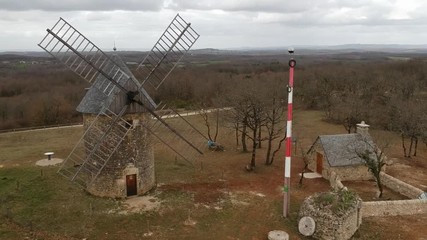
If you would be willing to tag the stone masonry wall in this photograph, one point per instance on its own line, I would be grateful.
(133, 156)
(351, 173)
(394, 208)
(399, 207)
(389, 208)
(330, 226)
(400, 186)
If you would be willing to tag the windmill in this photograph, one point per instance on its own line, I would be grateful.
(114, 157)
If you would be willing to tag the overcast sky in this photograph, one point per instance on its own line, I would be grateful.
(137, 24)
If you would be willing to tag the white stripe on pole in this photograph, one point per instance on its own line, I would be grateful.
(289, 128)
(290, 96)
(288, 167)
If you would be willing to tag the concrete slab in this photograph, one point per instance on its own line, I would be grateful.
(51, 162)
(311, 175)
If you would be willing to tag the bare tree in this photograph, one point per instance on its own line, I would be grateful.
(409, 119)
(274, 116)
(243, 134)
(212, 140)
(241, 120)
(374, 159)
(255, 119)
(204, 113)
(279, 146)
(305, 159)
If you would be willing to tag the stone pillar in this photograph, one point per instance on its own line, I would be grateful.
(362, 128)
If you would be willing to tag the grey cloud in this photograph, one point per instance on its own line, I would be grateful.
(276, 6)
(221, 23)
(242, 5)
(307, 12)
(81, 5)
(342, 13)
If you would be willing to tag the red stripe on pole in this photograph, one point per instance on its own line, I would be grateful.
(291, 77)
(288, 147)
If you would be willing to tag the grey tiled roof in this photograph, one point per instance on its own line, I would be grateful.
(94, 100)
(344, 149)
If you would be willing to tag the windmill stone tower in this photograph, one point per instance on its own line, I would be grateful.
(114, 157)
(130, 170)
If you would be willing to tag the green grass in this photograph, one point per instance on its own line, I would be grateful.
(38, 200)
(33, 198)
(38, 203)
(24, 147)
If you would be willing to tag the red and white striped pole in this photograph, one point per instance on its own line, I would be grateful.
(286, 187)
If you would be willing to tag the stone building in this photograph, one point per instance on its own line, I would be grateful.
(130, 170)
(335, 215)
(340, 154)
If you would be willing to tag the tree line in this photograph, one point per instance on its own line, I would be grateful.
(388, 94)
(36, 95)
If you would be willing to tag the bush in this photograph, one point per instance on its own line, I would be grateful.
(339, 202)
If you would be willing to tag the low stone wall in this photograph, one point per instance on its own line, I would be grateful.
(389, 208)
(394, 208)
(400, 186)
(335, 181)
(397, 207)
(331, 225)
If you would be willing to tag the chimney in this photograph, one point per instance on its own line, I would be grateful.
(362, 128)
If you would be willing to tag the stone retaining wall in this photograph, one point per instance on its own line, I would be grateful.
(394, 208)
(389, 208)
(397, 207)
(400, 186)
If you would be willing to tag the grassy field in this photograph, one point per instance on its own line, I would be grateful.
(23, 148)
(216, 199)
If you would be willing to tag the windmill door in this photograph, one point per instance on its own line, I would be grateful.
(131, 184)
(319, 162)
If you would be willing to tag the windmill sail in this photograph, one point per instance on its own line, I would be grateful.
(187, 151)
(171, 47)
(79, 54)
(173, 44)
(93, 151)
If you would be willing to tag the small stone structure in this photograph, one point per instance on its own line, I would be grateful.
(336, 214)
(339, 154)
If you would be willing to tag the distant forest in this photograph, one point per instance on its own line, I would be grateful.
(389, 91)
